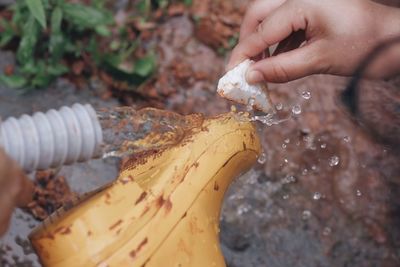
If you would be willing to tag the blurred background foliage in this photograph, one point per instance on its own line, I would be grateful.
(52, 38)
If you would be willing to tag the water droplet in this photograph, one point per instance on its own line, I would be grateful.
(304, 172)
(287, 140)
(285, 197)
(296, 109)
(306, 95)
(250, 104)
(279, 106)
(243, 209)
(358, 193)
(110, 154)
(284, 146)
(334, 161)
(314, 167)
(346, 139)
(317, 196)
(288, 179)
(268, 119)
(323, 146)
(306, 215)
(363, 165)
(262, 158)
(286, 160)
(327, 231)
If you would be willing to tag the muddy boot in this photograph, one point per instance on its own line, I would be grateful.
(163, 209)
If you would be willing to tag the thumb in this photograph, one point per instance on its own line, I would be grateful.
(288, 66)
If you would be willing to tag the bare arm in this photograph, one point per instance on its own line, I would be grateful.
(15, 189)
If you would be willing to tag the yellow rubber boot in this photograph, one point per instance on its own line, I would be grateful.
(163, 210)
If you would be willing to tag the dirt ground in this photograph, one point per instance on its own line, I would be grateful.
(327, 193)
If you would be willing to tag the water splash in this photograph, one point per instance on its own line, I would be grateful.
(327, 231)
(289, 179)
(306, 95)
(279, 106)
(358, 193)
(317, 196)
(268, 119)
(296, 109)
(334, 161)
(314, 167)
(243, 208)
(262, 158)
(250, 105)
(306, 214)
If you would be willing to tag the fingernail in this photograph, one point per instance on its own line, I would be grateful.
(254, 76)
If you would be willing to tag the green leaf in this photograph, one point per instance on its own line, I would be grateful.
(56, 19)
(232, 41)
(120, 75)
(37, 10)
(145, 66)
(42, 77)
(57, 69)
(14, 81)
(56, 42)
(20, 15)
(28, 42)
(102, 30)
(85, 16)
(41, 80)
(5, 38)
(98, 3)
(144, 7)
(162, 3)
(187, 2)
(28, 68)
(93, 48)
(8, 34)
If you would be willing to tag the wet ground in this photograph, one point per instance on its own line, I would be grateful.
(326, 195)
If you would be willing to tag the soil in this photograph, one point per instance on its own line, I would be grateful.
(327, 194)
(51, 193)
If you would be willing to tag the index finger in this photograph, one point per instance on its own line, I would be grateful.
(275, 28)
(256, 14)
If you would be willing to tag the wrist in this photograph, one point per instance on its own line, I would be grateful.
(387, 62)
(390, 26)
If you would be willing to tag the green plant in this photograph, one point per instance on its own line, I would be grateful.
(52, 33)
(232, 42)
(146, 6)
